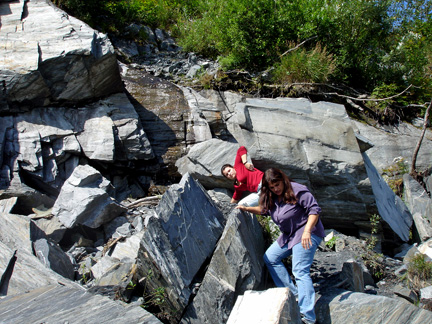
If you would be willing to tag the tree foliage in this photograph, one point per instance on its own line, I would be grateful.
(376, 46)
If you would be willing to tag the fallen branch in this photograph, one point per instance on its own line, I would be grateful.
(148, 200)
(110, 244)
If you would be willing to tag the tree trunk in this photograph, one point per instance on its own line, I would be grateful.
(413, 171)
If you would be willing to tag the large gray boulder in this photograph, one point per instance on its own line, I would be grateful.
(84, 199)
(52, 256)
(178, 240)
(21, 272)
(50, 57)
(353, 307)
(235, 267)
(169, 121)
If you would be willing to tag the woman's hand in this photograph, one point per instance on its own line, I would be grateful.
(306, 240)
(254, 209)
(249, 166)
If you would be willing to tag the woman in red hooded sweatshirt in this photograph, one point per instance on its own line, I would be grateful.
(245, 177)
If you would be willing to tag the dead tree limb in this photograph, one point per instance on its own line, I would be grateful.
(297, 46)
(413, 171)
(369, 99)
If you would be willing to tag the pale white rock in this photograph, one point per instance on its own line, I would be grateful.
(276, 305)
(129, 248)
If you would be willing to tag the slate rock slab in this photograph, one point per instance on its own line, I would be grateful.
(59, 304)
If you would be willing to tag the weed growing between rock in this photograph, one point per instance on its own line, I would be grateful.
(419, 274)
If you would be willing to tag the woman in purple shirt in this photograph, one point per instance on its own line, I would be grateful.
(294, 209)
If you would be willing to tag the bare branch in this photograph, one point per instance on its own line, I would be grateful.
(294, 48)
(369, 99)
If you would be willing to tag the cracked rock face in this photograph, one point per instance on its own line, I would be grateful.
(54, 59)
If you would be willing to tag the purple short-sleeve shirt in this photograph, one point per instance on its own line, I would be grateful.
(292, 219)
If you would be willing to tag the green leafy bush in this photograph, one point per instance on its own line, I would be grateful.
(301, 65)
(419, 272)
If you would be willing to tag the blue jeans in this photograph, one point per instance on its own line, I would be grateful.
(301, 262)
(252, 199)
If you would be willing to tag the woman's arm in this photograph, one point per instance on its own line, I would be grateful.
(307, 233)
(247, 165)
(253, 210)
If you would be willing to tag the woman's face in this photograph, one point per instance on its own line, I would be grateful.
(277, 188)
(230, 173)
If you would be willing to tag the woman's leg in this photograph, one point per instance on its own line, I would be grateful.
(302, 261)
(250, 200)
(273, 259)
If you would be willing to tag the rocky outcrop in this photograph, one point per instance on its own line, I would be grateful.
(52, 60)
(420, 205)
(79, 154)
(391, 207)
(314, 143)
(235, 267)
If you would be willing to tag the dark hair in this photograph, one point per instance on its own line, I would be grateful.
(224, 167)
(267, 198)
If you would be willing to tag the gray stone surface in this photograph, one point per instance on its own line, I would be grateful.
(53, 59)
(15, 231)
(179, 239)
(52, 256)
(419, 203)
(391, 142)
(59, 304)
(353, 273)
(26, 272)
(354, 307)
(391, 208)
(236, 266)
(314, 143)
(84, 199)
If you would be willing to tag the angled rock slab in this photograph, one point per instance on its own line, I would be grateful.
(276, 305)
(53, 257)
(236, 266)
(21, 271)
(59, 304)
(391, 142)
(204, 162)
(353, 307)
(84, 199)
(49, 56)
(390, 207)
(179, 239)
(15, 231)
